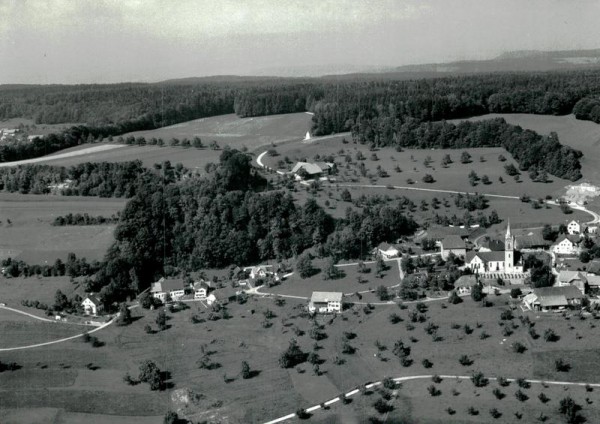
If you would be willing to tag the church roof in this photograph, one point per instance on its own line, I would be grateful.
(486, 256)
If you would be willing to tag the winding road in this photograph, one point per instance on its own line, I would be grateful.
(421, 377)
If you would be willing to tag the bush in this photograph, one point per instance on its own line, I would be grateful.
(382, 406)
(522, 383)
(465, 361)
(543, 398)
(561, 366)
(518, 347)
(521, 397)
(433, 391)
(495, 413)
(550, 335)
(498, 393)
(515, 292)
(426, 363)
(302, 414)
(479, 380)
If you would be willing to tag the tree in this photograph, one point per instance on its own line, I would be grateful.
(171, 418)
(331, 272)
(428, 178)
(60, 301)
(473, 178)
(124, 315)
(477, 293)
(150, 373)
(346, 196)
(511, 170)
(292, 356)
(246, 374)
(465, 157)
(485, 180)
(548, 233)
(570, 409)
(304, 265)
(515, 292)
(380, 266)
(454, 298)
(382, 293)
(161, 320)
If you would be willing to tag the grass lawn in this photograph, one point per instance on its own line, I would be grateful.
(244, 338)
(32, 238)
(20, 333)
(13, 290)
(296, 286)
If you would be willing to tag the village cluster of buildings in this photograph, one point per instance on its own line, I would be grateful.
(9, 134)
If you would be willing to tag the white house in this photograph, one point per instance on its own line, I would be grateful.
(387, 251)
(325, 302)
(259, 271)
(92, 305)
(210, 299)
(453, 244)
(574, 227)
(200, 289)
(465, 284)
(166, 290)
(566, 245)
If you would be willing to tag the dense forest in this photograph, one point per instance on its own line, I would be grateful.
(375, 110)
(101, 179)
(228, 218)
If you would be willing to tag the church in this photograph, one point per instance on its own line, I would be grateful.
(506, 261)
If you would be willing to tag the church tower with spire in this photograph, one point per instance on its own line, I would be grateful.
(509, 250)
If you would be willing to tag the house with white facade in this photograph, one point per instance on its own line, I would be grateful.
(465, 284)
(567, 244)
(572, 278)
(91, 305)
(387, 251)
(200, 289)
(574, 227)
(168, 289)
(306, 170)
(325, 302)
(553, 298)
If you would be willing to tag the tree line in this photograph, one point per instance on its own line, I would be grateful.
(84, 219)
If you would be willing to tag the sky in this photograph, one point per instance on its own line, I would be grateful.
(106, 41)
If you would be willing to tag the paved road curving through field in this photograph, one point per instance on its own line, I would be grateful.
(421, 377)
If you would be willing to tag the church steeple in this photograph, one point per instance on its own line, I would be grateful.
(509, 247)
(508, 229)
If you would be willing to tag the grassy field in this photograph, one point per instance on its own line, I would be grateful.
(413, 168)
(296, 286)
(13, 290)
(31, 237)
(226, 130)
(20, 330)
(244, 338)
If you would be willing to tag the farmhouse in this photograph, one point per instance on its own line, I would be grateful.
(566, 245)
(572, 278)
(507, 260)
(166, 290)
(387, 251)
(305, 170)
(325, 302)
(594, 267)
(200, 289)
(453, 244)
(438, 233)
(489, 245)
(574, 227)
(92, 305)
(255, 272)
(552, 298)
(465, 284)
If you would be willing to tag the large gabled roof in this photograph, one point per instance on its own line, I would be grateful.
(324, 297)
(453, 242)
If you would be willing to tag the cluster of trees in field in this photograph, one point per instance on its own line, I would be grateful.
(588, 109)
(103, 179)
(227, 218)
(73, 267)
(84, 219)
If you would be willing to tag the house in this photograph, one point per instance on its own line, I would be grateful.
(552, 298)
(211, 299)
(255, 272)
(169, 289)
(325, 302)
(532, 240)
(304, 170)
(567, 244)
(465, 284)
(33, 137)
(200, 289)
(453, 244)
(594, 267)
(572, 278)
(574, 227)
(593, 284)
(92, 305)
(489, 245)
(438, 233)
(387, 251)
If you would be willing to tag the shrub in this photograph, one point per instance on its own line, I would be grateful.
(498, 393)
(503, 381)
(426, 363)
(479, 380)
(436, 379)
(550, 335)
(472, 411)
(543, 398)
(464, 360)
(521, 397)
(450, 411)
(495, 413)
(524, 384)
(302, 414)
(389, 383)
(382, 406)
(561, 366)
(518, 347)
(515, 292)
(433, 391)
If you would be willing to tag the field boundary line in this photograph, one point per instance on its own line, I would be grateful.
(421, 377)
